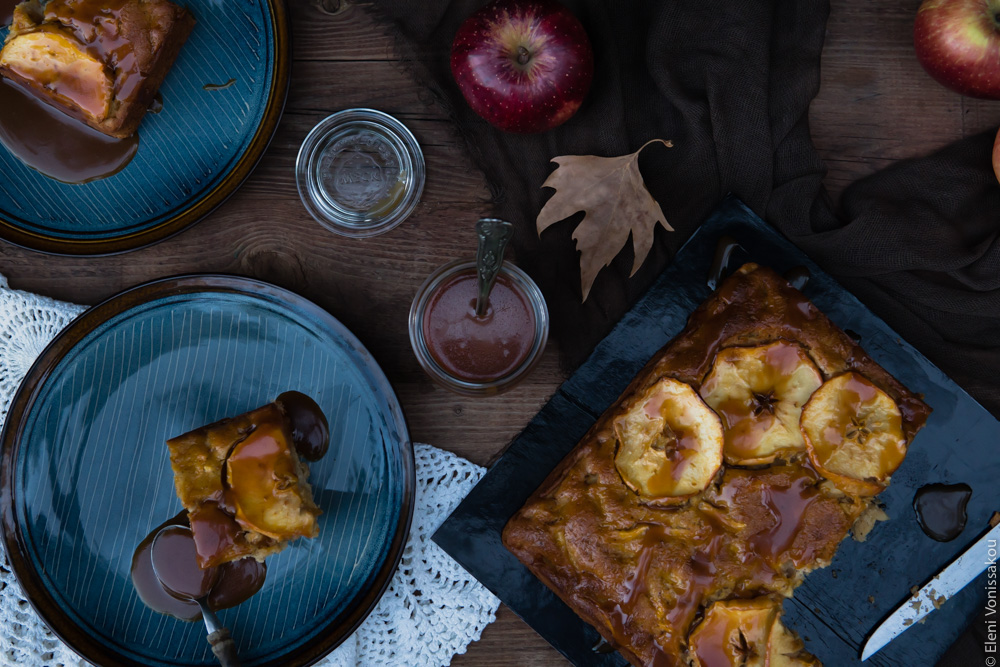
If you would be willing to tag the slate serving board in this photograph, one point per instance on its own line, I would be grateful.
(837, 607)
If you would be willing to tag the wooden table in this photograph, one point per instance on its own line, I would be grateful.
(876, 105)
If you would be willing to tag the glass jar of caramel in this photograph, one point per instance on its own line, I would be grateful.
(478, 355)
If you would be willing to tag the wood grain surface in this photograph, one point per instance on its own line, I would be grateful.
(876, 105)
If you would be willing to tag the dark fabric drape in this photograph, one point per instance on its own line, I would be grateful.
(701, 74)
(730, 82)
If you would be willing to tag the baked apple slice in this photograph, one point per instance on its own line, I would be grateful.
(854, 434)
(267, 485)
(60, 67)
(746, 633)
(734, 633)
(669, 443)
(759, 393)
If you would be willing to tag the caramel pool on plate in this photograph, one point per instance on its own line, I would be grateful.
(238, 580)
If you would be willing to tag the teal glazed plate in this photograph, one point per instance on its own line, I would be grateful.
(85, 472)
(192, 155)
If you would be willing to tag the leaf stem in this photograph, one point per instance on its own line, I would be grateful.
(665, 142)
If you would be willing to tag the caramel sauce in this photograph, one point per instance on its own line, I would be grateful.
(174, 558)
(746, 423)
(736, 639)
(716, 645)
(55, 144)
(940, 509)
(148, 586)
(781, 361)
(635, 585)
(478, 349)
(678, 449)
(216, 533)
(678, 442)
(259, 471)
(659, 658)
(798, 277)
(911, 408)
(63, 71)
(96, 25)
(720, 261)
(635, 588)
(699, 584)
(787, 506)
(310, 430)
(237, 580)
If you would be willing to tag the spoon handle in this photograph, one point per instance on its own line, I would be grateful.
(224, 648)
(493, 237)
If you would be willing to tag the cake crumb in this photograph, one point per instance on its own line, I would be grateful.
(866, 522)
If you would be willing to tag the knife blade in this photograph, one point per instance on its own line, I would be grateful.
(938, 590)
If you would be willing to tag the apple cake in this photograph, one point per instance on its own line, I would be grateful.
(243, 483)
(101, 61)
(732, 465)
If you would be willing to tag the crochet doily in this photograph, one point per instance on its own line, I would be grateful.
(432, 609)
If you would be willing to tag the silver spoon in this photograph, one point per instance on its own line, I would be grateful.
(493, 237)
(191, 588)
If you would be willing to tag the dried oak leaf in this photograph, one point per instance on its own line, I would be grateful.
(615, 202)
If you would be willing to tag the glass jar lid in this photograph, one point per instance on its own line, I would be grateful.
(360, 172)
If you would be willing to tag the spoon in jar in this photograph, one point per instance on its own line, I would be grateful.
(175, 565)
(493, 237)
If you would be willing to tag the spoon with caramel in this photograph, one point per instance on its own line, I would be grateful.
(175, 565)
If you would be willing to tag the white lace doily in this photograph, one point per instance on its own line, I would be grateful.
(431, 611)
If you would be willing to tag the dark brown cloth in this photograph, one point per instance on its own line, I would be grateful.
(730, 82)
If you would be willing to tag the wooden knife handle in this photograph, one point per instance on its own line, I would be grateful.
(224, 648)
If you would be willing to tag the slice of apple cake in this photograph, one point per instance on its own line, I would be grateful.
(243, 483)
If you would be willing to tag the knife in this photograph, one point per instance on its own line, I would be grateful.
(938, 590)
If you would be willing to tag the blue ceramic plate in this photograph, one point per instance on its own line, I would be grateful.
(192, 155)
(86, 474)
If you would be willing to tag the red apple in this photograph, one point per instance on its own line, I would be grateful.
(958, 43)
(523, 65)
(996, 156)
